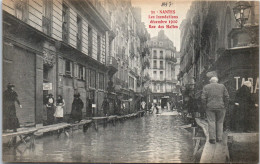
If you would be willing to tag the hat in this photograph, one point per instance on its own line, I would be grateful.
(212, 74)
(76, 95)
(10, 85)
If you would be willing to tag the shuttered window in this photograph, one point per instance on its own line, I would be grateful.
(101, 79)
(68, 68)
(92, 78)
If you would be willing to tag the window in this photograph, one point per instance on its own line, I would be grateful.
(161, 54)
(154, 74)
(21, 10)
(161, 64)
(160, 44)
(101, 84)
(161, 75)
(65, 23)
(154, 54)
(154, 87)
(92, 78)
(161, 87)
(154, 43)
(90, 41)
(98, 48)
(155, 64)
(81, 72)
(131, 82)
(79, 33)
(46, 18)
(68, 68)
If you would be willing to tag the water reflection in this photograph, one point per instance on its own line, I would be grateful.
(148, 139)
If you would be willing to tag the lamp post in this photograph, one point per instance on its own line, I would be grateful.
(241, 12)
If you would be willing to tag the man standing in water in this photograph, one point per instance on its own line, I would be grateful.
(215, 98)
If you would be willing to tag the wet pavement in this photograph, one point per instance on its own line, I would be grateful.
(153, 138)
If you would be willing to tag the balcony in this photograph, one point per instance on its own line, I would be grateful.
(112, 65)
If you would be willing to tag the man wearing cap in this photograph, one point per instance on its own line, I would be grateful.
(215, 99)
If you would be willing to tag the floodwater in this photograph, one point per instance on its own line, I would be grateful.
(153, 138)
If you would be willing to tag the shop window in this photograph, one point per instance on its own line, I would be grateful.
(101, 84)
(68, 68)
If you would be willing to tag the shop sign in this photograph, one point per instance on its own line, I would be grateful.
(47, 86)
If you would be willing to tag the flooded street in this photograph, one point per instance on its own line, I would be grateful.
(153, 138)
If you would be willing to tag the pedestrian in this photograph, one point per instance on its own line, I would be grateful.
(105, 106)
(156, 108)
(150, 107)
(215, 99)
(143, 105)
(76, 109)
(244, 109)
(10, 120)
(90, 112)
(118, 106)
(50, 109)
(60, 103)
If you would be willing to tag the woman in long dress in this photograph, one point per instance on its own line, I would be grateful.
(60, 103)
(76, 111)
(10, 120)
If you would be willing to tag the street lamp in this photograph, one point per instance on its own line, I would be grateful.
(241, 12)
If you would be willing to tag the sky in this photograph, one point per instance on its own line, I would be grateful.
(180, 7)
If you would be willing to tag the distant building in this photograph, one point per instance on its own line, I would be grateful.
(162, 69)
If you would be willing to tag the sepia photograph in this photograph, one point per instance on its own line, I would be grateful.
(130, 81)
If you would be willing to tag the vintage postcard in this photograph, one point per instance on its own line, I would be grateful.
(130, 81)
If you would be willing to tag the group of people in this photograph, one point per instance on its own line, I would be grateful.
(215, 99)
(55, 111)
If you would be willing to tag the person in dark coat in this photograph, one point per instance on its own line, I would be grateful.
(50, 109)
(105, 106)
(77, 106)
(215, 99)
(10, 120)
(244, 109)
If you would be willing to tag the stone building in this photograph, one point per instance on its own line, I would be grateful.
(65, 47)
(162, 70)
(127, 49)
(58, 47)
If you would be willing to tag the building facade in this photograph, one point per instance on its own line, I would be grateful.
(65, 47)
(162, 70)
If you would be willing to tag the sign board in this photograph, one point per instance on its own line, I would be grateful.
(93, 105)
(47, 86)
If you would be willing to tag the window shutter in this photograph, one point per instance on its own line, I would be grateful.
(84, 73)
(71, 74)
(61, 66)
(75, 70)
